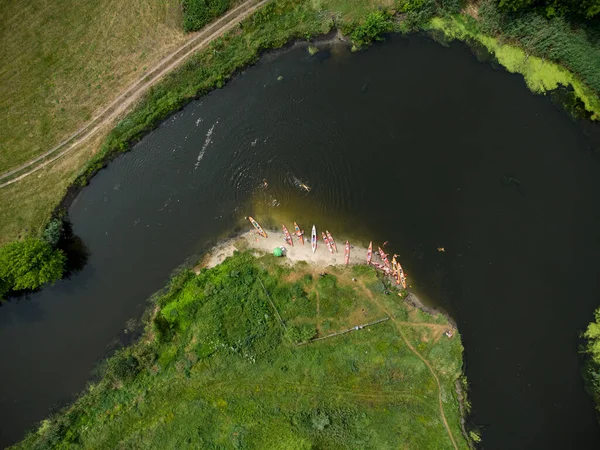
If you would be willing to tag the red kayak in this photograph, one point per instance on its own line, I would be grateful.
(347, 252)
(327, 242)
(299, 233)
(331, 241)
(384, 258)
(369, 252)
(288, 237)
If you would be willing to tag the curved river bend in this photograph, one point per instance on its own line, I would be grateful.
(409, 142)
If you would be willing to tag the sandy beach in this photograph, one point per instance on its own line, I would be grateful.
(298, 252)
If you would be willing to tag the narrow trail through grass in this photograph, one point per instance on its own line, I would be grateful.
(431, 370)
(399, 325)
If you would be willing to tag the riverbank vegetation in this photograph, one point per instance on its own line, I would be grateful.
(218, 367)
(592, 363)
(197, 13)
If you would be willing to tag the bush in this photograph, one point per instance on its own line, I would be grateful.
(53, 232)
(551, 8)
(376, 24)
(591, 370)
(197, 13)
(30, 263)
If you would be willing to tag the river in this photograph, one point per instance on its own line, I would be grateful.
(410, 142)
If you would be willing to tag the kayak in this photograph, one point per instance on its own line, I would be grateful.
(288, 237)
(395, 271)
(402, 276)
(331, 241)
(381, 267)
(347, 252)
(369, 252)
(384, 258)
(259, 229)
(299, 233)
(313, 239)
(327, 242)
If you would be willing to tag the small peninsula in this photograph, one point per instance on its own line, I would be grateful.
(254, 351)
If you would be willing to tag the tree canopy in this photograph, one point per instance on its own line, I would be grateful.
(583, 8)
(30, 263)
(592, 334)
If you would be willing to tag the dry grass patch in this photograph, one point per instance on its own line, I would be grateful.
(62, 61)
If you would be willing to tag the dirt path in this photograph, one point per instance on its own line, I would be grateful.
(398, 325)
(127, 97)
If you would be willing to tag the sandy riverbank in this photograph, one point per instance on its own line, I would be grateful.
(298, 252)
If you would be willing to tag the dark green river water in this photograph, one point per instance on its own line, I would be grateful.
(409, 142)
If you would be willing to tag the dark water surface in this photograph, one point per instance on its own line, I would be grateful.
(409, 142)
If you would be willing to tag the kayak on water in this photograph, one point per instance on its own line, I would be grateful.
(299, 233)
(347, 252)
(369, 252)
(327, 242)
(313, 239)
(331, 241)
(259, 229)
(288, 237)
(384, 257)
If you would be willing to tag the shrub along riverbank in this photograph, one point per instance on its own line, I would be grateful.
(523, 42)
(591, 371)
(219, 367)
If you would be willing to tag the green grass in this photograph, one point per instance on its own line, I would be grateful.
(215, 370)
(61, 61)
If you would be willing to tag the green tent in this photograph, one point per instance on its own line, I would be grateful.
(277, 251)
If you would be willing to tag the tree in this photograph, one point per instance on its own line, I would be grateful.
(585, 8)
(53, 232)
(30, 263)
(592, 334)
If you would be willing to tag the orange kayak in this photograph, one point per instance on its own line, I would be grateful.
(288, 237)
(395, 271)
(327, 242)
(259, 229)
(347, 252)
(299, 233)
(402, 276)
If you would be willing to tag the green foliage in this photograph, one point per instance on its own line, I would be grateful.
(227, 378)
(30, 263)
(591, 370)
(53, 232)
(375, 24)
(551, 8)
(556, 39)
(592, 334)
(301, 334)
(197, 13)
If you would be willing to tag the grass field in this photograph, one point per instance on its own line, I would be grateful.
(216, 369)
(62, 60)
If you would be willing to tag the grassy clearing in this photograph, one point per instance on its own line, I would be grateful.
(215, 370)
(61, 61)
